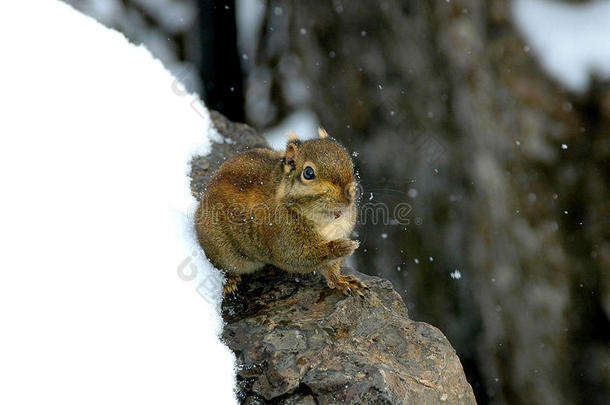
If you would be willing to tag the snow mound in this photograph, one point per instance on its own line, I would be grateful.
(105, 294)
(571, 40)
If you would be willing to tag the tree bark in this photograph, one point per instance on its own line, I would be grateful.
(450, 112)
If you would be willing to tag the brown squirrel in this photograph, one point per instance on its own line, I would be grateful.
(293, 209)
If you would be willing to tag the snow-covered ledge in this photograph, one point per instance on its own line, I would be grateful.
(96, 137)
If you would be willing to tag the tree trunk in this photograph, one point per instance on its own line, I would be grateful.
(450, 113)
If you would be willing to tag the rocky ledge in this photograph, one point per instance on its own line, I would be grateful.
(298, 342)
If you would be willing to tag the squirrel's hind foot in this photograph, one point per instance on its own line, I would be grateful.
(231, 284)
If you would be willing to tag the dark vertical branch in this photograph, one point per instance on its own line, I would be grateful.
(220, 67)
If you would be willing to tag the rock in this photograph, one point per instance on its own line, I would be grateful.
(298, 342)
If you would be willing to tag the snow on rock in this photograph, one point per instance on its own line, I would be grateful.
(571, 40)
(105, 295)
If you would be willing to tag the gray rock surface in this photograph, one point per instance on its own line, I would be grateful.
(298, 342)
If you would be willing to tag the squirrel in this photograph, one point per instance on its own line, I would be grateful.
(293, 209)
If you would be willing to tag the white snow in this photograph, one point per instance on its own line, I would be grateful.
(571, 40)
(105, 295)
(455, 274)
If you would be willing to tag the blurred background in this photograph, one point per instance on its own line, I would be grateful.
(490, 118)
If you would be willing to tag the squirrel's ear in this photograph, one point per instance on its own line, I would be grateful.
(322, 133)
(291, 151)
(292, 137)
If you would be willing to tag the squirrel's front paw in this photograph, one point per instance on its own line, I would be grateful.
(343, 247)
(348, 285)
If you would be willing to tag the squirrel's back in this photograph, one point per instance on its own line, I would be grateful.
(242, 187)
(246, 171)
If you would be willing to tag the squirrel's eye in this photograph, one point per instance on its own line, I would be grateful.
(309, 173)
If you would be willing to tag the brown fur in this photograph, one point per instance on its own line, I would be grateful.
(259, 209)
